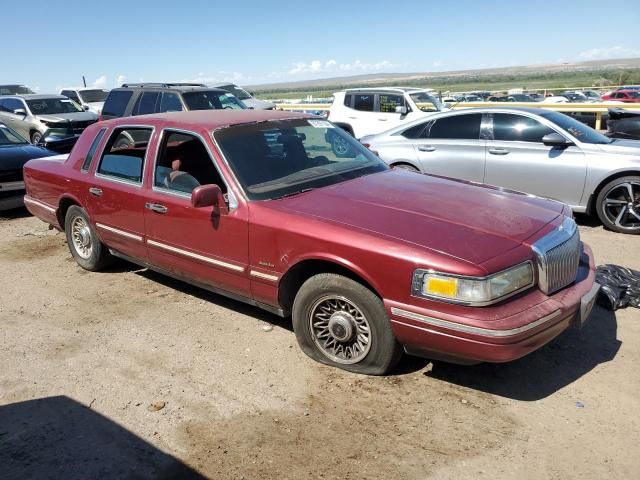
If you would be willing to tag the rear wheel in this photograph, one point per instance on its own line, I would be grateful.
(618, 205)
(87, 250)
(342, 323)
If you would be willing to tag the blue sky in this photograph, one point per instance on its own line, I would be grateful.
(54, 43)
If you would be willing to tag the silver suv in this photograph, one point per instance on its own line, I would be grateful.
(32, 115)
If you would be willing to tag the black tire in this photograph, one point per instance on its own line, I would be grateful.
(383, 351)
(35, 137)
(616, 208)
(405, 166)
(77, 224)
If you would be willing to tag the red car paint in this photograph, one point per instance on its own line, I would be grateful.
(380, 227)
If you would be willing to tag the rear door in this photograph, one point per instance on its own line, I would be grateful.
(194, 242)
(517, 159)
(451, 146)
(115, 196)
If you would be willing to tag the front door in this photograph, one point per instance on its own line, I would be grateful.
(517, 159)
(114, 198)
(193, 242)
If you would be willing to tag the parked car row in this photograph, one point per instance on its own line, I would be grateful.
(32, 115)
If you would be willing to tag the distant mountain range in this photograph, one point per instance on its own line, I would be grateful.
(390, 78)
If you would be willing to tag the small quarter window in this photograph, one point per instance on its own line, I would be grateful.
(92, 150)
(347, 100)
(124, 155)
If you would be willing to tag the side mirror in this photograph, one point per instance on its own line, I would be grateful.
(86, 108)
(209, 196)
(402, 110)
(556, 140)
(20, 111)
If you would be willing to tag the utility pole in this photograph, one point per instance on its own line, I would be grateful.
(84, 81)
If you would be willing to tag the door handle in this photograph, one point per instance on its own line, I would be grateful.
(95, 191)
(383, 119)
(156, 207)
(427, 148)
(498, 151)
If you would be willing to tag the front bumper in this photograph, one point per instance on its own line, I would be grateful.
(518, 327)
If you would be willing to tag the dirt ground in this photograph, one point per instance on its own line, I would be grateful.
(128, 374)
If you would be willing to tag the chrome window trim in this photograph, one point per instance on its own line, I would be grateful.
(119, 232)
(459, 327)
(473, 304)
(39, 203)
(144, 160)
(11, 186)
(233, 174)
(213, 261)
(233, 203)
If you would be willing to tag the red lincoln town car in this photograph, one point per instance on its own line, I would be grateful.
(367, 260)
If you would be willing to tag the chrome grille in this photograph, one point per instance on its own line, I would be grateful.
(558, 256)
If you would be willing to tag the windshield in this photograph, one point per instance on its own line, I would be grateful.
(9, 137)
(426, 102)
(52, 106)
(211, 100)
(280, 158)
(582, 132)
(237, 91)
(91, 96)
(15, 90)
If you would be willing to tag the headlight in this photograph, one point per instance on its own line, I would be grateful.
(475, 291)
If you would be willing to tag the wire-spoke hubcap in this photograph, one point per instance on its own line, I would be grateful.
(81, 236)
(622, 205)
(340, 329)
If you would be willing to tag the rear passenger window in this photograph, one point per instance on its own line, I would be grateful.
(146, 103)
(92, 150)
(170, 103)
(124, 154)
(116, 103)
(462, 127)
(364, 102)
(416, 131)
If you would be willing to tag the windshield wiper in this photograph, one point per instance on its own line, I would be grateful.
(292, 194)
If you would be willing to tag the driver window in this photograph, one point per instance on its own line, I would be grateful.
(183, 164)
(518, 128)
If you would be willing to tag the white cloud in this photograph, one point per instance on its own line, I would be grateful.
(437, 64)
(120, 80)
(100, 82)
(610, 52)
(332, 66)
(218, 77)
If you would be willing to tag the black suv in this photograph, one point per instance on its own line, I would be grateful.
(144, 98)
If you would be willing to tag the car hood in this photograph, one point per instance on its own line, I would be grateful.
(471, 222)
(622, 147)
(14, 157)
(75, 116)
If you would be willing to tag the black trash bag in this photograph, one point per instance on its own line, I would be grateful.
(619, 287)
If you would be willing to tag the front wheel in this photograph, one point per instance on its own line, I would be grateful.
(87, 250)
(339, 322)
(618, 205)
